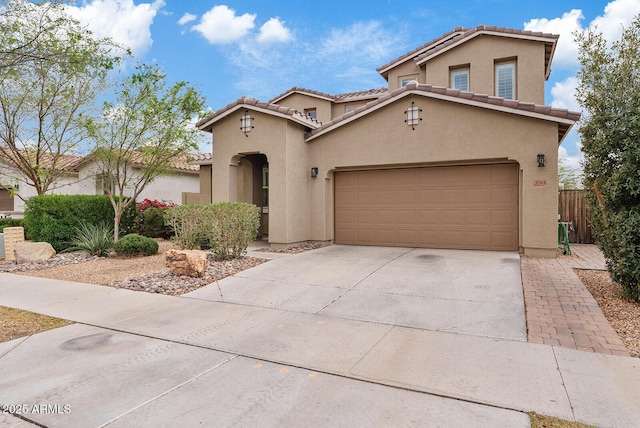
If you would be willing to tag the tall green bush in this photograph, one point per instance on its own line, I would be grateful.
(228, 227)
(609, 92)
(55, 218)
(153, 223)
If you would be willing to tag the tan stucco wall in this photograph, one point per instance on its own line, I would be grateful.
(480, 53)
(283, 144)
(405, 70)
(449, 134)
(301, 102)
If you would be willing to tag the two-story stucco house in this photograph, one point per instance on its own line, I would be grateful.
(458, 151)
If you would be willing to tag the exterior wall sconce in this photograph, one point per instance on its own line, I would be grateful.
(314, 172)
(540, 160)
(245, 123)
(413, 116)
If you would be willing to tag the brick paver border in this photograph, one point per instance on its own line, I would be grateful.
(561, 311)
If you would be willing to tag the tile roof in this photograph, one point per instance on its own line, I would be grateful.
(420, 49)
(339, 98)
(61, 162)
(353, 96)
(200, 157)
(564, 117)
(460, 34)
(265, 107)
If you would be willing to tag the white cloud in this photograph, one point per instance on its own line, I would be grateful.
(617, 14)
(563, 94)
(362, 40)
(220, 25)
(566, 54)
(186, 18)
(122, 20)
(274, 31)
(572, 161)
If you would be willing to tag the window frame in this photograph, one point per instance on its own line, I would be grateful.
(501, 64)
(457, 70)
(405, 80)
(311, 112)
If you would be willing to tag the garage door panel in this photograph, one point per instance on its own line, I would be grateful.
(452, 217)
(384, 197)
(473, 207)
(384, 217)
(405, 197)
(425, 196)
(428, 217)
(479, 218)
(405, 217)
(364, 198)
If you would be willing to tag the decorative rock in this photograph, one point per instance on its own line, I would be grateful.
(187, 262)
(33, 252)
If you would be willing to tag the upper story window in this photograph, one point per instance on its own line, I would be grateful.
(405, 80)
(311, 112)
(460, 78)
(506, 79)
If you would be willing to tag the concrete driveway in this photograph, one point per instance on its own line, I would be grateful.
(469, 292)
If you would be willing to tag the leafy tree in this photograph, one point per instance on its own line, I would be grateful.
(141, 132)
(51, 70)
(609, 91)
(569, 178)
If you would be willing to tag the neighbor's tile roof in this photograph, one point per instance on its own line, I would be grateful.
(460, 34)
(266, 107)
(199, 157)
(180, 162)
(67, 163)
(517, 107)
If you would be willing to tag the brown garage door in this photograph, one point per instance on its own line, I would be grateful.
(467, 207)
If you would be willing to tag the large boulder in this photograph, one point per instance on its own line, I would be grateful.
(187, 262)
(33, 252)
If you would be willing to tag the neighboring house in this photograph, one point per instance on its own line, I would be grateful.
(81, 176)
(458, 152)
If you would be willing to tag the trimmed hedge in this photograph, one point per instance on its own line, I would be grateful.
(228, 227)
(56, 218)
(135, 245)
(10, 222)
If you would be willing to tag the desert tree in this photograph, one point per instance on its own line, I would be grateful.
(138, 135)
(51, 70)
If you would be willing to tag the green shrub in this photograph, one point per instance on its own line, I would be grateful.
(618, 236)
(9, 222)
(96, 240)
(55, 218)
(228, 227)
(134, 245)
(153, 224)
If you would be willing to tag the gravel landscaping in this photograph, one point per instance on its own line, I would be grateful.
(622, 314)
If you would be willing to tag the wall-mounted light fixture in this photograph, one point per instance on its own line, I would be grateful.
(413, 116)
(245, 123)
(540, 160)
(314, 172)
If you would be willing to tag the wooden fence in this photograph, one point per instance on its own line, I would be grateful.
(572, 207)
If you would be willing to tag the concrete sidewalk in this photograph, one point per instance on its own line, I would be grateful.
(140, 359)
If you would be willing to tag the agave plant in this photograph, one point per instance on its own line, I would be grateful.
(94, 239)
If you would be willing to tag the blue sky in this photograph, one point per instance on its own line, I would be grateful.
(259, 48)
